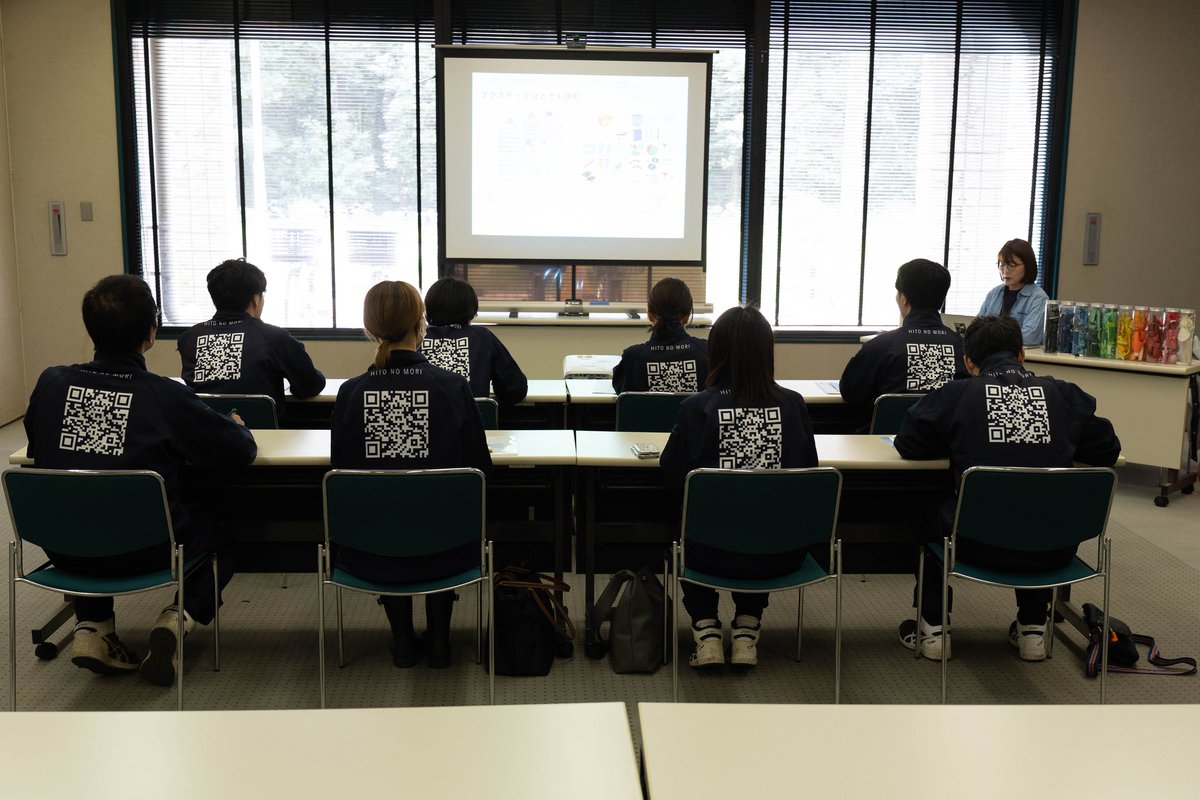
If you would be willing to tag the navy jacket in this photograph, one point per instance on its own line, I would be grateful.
(919, 356)
(111, 413)
(480, 357)
(671, 361)
(234, 353)
(408, 415)
(1008, 417)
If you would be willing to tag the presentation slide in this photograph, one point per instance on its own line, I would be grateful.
(573, 159)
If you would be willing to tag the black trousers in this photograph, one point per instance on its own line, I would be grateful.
(1032, 604)
(702, 602)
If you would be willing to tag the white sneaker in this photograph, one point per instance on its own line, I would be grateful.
(710, 644)
(1030, 641)
(744, 641)
(162, 662)
(932, 639)
(96, 647)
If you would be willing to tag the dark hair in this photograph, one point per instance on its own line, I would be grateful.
(232, 284)
(741, 357)
(450, 301)
(391, 311)
(119, 312)
(670, 301)
(987, 336)
(924, 283)
(1019, 248)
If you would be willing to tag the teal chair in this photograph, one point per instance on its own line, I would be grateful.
(94, 514)
(889, 411)
(489, 410)
(256, 410)
(648, 412)
(1059, 508)
(776, 511)
(400, 513)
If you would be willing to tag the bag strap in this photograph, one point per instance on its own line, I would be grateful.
(542, 591)
(603, 609)
(561, 620)
(1092, 668)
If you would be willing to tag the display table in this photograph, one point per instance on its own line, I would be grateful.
(875, 751)
(1148, 405)
(577, 750)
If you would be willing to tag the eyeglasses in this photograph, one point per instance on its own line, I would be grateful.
(1006, 267)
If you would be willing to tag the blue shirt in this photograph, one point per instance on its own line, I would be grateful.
(1029, 311)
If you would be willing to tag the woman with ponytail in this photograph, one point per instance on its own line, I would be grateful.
(405, 413)
(672, 361)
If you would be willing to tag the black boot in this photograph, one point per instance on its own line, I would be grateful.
(438, 608)
(405, 647)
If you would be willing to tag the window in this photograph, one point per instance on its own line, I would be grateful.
(302, 136)
(897, 131)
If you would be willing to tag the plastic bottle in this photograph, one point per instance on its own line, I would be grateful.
(1124, 332)
(1066, 323)
(1170, 348)
(1094, 328)
(1137, 333)
(1108, 332)
(1080, 328)
(1187, 329)
(1154, 336)
(1050, 340)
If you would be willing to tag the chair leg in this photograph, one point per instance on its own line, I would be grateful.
(666, 598)
(179, 620)
(479, 624)
(12, 625)
(321, 619)
(946, 559)
(216, 616)
(675, 624)
(837, 628)
(920, 597)
(491, 627)
(1106, 632)
(1050, 622)
(337, 593)
(799, 620)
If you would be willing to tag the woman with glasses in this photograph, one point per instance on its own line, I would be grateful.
(1018, 296)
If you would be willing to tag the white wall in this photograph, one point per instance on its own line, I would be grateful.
(1133, 157)
(12, 378)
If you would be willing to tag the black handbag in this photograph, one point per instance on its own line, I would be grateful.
(530, 622)
(1122, 648)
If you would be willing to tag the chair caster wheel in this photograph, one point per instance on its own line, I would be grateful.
(1191, 487)
(1162, 501)
(594, 650)
(46, 651)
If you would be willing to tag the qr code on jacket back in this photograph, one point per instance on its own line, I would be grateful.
(671, 376)
(929, 366)
(396, 423)
(1017, 415)
(749, 438)
(95, 421)
(451, 354)
(219, 357)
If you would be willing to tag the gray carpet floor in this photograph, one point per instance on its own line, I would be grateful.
(269, 642)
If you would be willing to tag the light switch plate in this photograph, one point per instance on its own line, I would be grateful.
(1091, 239)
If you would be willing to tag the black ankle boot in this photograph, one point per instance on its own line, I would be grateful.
(405, 647)
(438, 608)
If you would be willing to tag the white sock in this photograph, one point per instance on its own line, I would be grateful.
(745, 621)
(701, 624)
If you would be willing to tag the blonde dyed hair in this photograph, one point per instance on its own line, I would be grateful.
(392, 310)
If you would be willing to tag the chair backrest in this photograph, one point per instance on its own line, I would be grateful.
(256, 410)
(761, 511)
(89, 513)
(404, 512)
(889, 411)
(1034, 509)
(648, 411)
(489, 410)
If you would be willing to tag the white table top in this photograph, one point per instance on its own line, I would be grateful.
(301, 448)
(873, 751)
(844, 451)
(529, 751)
(540, 391)
(1036, 355)
(581, 390)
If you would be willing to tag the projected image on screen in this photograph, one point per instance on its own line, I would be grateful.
(589, 155)
(595, 156)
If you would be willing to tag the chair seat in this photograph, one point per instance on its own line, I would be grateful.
(810, 572)
(61, 580)
(341, 577)
(1073, 572)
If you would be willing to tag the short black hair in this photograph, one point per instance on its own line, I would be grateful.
(119, 313)
(987, 336)
(451, 301)
(924, 283)
(1024, 251)
(232, 284)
